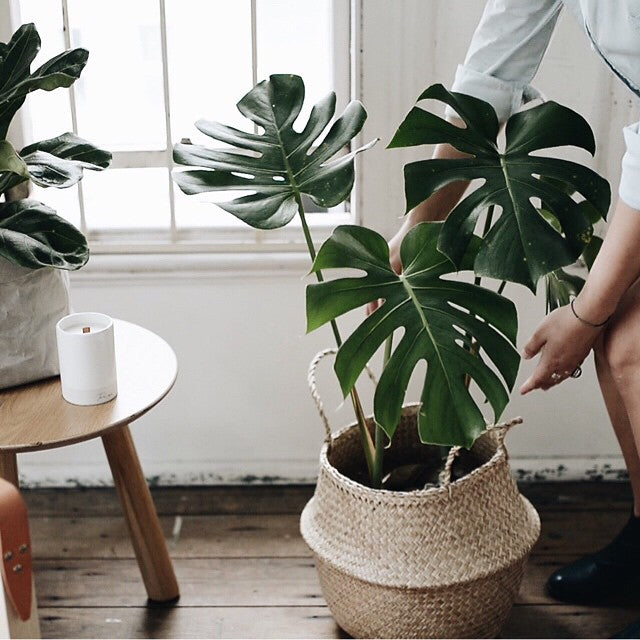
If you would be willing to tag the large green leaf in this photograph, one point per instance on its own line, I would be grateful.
(520, 246)
(442, 321)
(33, 236)
(561, 286)
(13, 170)
(59, 162)
(17, 80)
(279, 164)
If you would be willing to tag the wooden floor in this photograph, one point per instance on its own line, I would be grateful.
(245, 572)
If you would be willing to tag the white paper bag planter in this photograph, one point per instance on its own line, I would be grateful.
(31, 302)
(87, 358)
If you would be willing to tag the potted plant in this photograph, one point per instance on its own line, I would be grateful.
(443, 561)
(36, 245)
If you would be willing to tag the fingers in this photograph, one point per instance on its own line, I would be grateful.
(537, 380)
(544, 377)
(532, 348)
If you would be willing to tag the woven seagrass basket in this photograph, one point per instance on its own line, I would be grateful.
(445, 562)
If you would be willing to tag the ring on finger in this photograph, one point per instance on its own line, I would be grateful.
(577, 372)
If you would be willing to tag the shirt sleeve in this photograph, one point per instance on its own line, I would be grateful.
(629, 190)
(505, 53)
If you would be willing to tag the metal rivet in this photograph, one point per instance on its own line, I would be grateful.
(23, 548)
(8, 555)
(17, 568)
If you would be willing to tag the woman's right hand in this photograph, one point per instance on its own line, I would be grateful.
(437, 207)
(394, 259)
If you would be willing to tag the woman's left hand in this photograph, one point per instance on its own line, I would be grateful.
(563, 342)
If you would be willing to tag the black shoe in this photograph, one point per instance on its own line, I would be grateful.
(632, 631)
(601, 576)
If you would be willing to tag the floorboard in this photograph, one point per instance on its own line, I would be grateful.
(245, 572)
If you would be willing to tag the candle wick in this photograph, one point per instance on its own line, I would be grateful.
(86, 329)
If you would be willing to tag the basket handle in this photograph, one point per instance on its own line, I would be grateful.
(502, 428)
(311, 379)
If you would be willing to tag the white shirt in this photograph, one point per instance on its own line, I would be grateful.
(511, 39)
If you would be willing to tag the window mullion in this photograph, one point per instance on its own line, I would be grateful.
(74, 111)
(254, 75)
(169, 147)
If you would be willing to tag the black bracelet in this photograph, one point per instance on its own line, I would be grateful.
(589, 324)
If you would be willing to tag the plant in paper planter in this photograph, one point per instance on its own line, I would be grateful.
(445, 561)
(35, 242)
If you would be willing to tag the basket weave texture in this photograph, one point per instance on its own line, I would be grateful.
(445, 562)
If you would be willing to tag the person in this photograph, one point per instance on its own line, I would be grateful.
(502, 59)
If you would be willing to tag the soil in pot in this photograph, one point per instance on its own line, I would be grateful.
(410, 468)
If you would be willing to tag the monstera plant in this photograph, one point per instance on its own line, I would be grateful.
(465, 332)
(32, 235)
(278, 166)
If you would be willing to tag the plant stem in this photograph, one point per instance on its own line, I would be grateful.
(367, 442)
(378, 462)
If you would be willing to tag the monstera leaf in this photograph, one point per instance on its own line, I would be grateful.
(16, 78)
(521, 245)
(59, 162)
(444, 322)
(561, 286)
(33, 236)
(279, 164)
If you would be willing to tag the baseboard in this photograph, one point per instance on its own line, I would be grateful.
(266, 472)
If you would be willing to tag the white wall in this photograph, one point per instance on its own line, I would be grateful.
(240, 409)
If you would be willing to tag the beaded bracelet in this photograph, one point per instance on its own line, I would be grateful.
(589, 324)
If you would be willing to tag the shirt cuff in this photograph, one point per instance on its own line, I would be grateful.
(629, 190)
(505, 96)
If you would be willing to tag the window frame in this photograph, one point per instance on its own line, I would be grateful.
(223, 237)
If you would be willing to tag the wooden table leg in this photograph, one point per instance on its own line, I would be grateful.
(9, 467)
(140, 514)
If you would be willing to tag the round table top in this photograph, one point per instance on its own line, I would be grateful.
(35, 416)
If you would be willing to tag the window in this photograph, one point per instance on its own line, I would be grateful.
(156, 66)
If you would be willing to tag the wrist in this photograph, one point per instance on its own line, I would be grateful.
(590, 312)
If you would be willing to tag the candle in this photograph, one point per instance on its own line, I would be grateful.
(87, 358)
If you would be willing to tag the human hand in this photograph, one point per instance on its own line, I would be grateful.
(563, 343)
(394, 259)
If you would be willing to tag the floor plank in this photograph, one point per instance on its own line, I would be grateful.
(245, 571)
(204, 582)
(577, 532)
(567, 621)
(264, 536)
(221, 622)
(218, 500)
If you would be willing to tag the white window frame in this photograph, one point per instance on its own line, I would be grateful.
(221, 238)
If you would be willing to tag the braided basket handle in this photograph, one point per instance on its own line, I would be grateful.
(502, 428)
(311, 379)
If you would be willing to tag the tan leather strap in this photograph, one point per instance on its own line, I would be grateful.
(15, 547)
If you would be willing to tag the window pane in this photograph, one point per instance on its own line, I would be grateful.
(127, 199)
(296, 37)
(46, 113)
(209, 53)
(199, 211)
(120, 96)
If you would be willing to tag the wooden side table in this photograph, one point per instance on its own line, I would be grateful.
(35, 417)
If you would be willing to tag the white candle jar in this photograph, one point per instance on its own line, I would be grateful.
(87, 358)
